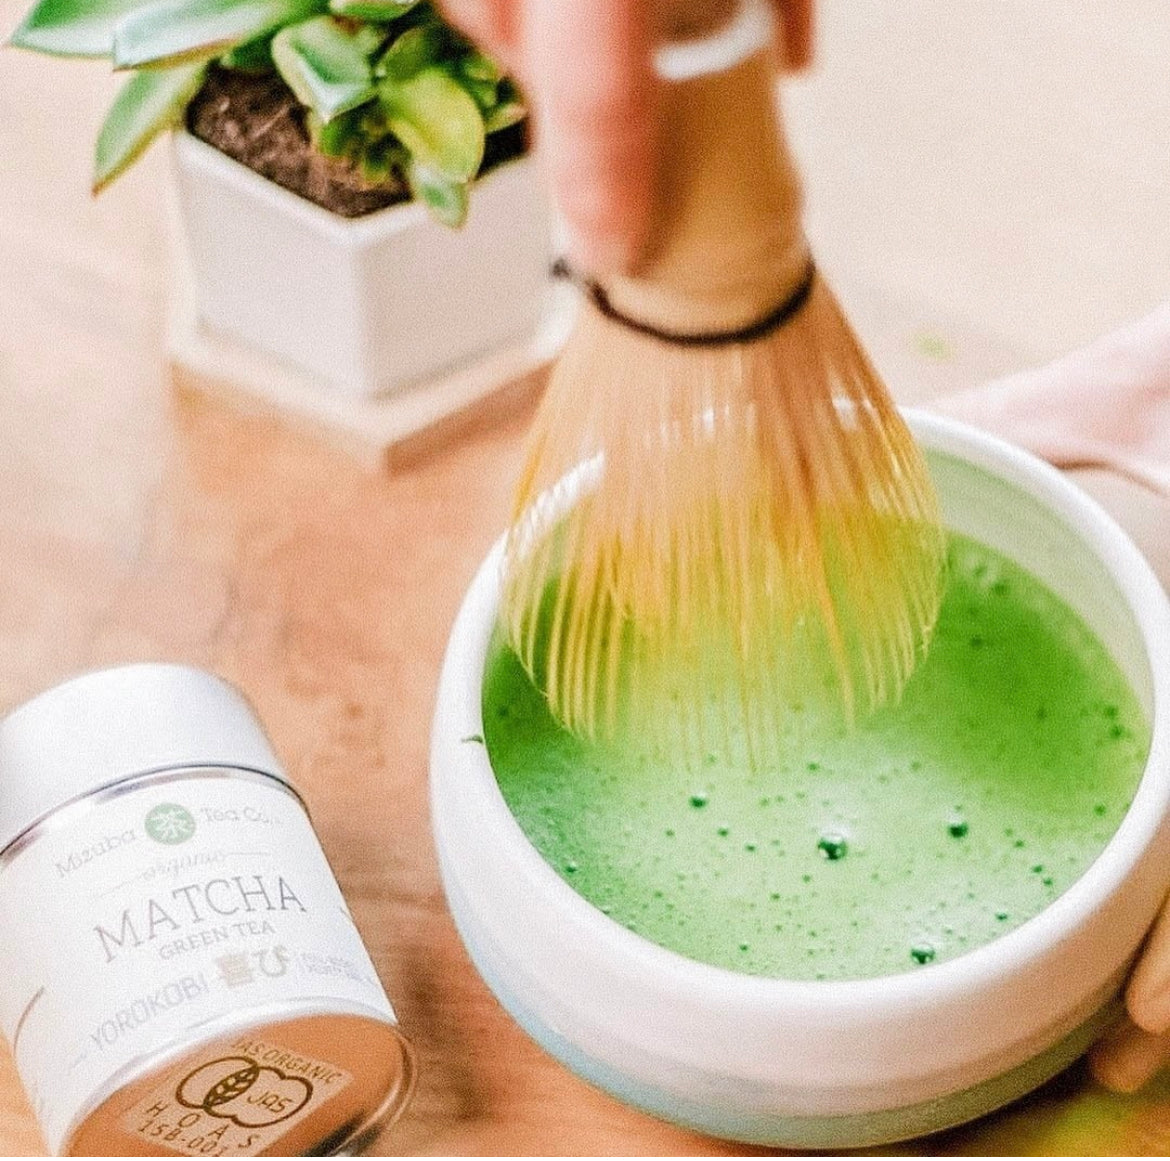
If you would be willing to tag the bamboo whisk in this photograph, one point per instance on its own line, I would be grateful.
(720, 501)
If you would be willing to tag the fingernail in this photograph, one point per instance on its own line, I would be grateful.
(1126, 1059)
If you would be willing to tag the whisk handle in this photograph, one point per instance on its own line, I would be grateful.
(727, 243)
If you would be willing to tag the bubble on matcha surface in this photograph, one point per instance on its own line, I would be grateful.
(957, 826)
(833, 845)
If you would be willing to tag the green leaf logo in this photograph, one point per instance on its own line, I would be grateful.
(170, 824)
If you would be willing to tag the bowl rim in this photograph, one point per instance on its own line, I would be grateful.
(908, 990)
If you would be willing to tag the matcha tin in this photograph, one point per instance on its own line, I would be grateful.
(179, 973)
(834, 1063)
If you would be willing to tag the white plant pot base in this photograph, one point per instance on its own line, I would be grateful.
(379, 433)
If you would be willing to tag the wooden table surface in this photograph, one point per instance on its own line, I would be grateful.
(1005, 199)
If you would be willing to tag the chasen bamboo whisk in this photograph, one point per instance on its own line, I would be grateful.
(721, 503)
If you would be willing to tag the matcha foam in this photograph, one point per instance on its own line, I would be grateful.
(930, 829)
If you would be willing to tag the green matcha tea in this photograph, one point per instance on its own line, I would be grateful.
(933, 827)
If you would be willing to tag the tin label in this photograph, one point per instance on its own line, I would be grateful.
(236, 1101)
(131, 920)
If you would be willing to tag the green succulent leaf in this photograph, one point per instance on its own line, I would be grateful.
(151, 102)
(504, 115)
(437, 121)
(326, 66)
(416, 49)
(73, 27)
(382, 11)
(447, 200)
(167, 32)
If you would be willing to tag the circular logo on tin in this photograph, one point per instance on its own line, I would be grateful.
(250, 1095)
(226, 1088)
(170, 824)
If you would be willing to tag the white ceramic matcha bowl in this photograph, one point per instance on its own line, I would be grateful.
(836, 1064)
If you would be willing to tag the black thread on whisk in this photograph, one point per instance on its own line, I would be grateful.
(596, 294)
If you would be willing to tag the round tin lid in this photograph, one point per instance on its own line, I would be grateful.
(351, 1075)
(103, 727)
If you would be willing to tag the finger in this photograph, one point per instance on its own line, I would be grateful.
(1148, 994)
(589, 70)
(1129, 1057)
(798, 32)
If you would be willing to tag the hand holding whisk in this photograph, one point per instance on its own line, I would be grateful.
(750, 501)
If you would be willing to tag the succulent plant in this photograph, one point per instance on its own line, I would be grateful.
(385, 84)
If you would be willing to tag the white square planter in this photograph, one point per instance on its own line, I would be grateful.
(363, 307)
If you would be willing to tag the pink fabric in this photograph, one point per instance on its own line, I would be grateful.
(1107, 405)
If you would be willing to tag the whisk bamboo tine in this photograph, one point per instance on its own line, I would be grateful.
(755, 496)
